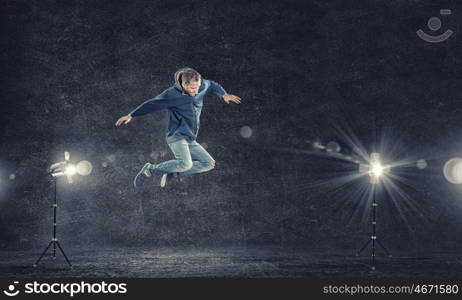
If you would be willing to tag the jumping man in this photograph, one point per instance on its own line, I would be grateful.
(184, 100)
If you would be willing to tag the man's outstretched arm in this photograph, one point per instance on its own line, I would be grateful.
(158, 103)
(218, 90)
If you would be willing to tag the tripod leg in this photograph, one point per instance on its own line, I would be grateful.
(373, 254)
(43, 253)
(363, 247)
(384, 249)
(64, 254)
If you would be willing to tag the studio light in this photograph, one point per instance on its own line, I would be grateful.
(65, 168)
(59, 169)
(375, 170)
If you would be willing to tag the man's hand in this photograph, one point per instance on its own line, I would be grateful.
(123, 120)
(231, 98)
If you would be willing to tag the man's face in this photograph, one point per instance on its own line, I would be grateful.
(192, 88)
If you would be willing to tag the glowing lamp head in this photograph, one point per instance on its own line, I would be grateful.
(376, 170)
(65, 168)
(71, 170)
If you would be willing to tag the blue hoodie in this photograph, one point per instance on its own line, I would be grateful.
(184, 110)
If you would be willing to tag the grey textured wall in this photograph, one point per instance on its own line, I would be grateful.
(69, 70)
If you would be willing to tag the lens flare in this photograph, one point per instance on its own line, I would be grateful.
(333, 147)
(453, 170)
(421, 164)
(318, 145)
(246, 132)
(84, 168)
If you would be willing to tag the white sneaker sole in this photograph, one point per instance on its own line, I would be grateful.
(163, 180)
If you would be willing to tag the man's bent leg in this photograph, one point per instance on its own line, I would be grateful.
(181, 163)
(202, 161)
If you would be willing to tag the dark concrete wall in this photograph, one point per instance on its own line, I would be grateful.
(69, 70)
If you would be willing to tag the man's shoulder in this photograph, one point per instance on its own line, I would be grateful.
(205, 84)
(171, 92)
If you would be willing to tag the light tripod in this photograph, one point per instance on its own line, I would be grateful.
(54, 241)
(57, 170)
(373, 238)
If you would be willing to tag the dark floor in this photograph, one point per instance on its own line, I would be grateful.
(227, 262)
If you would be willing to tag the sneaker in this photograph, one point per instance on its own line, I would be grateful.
(142, 175)
(166, 178)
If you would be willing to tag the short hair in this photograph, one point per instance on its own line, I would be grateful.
(187, 75)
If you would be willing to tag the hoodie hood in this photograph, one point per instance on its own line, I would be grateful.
(177, 75)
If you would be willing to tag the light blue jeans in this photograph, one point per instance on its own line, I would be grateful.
(190, 158)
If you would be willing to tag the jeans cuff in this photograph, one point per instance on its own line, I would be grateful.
(154, 171)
